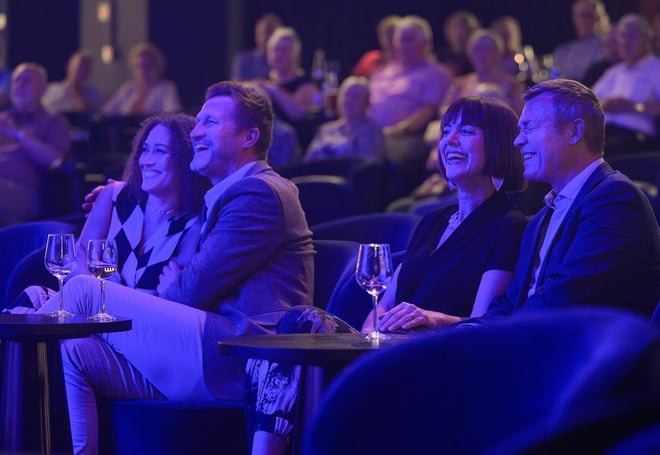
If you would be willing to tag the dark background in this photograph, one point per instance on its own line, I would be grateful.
(193, 33)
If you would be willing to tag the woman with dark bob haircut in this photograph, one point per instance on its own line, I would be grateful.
(458, 259)
(153, 215)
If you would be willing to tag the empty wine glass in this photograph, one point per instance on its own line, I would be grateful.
(60, 261)
(102, 263)
(373, 272)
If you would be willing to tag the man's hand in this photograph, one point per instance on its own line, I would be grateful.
(170, 274)
(90, 198)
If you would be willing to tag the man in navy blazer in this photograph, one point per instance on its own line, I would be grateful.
(596, 242)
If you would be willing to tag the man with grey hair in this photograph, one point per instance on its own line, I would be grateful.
(630, 90)
(31, 141)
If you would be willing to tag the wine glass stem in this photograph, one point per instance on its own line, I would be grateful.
(102, 296)
(374, 302)
(61, 281)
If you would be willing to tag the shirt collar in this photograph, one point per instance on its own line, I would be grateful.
(213, 194)
(573, 187)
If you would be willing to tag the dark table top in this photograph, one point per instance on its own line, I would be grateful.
(321, 349)
(41, 327)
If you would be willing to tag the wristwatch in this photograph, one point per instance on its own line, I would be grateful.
(19, 135)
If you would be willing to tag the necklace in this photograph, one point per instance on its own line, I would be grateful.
(168, 212)
(455, 220)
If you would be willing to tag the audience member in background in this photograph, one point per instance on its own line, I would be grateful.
(75, 93)
(518, 59)
(457, 30)
(458, 260)
(374, 59)
(290, 88)
(353, 134)
(630, 90)
(148, 92)
(485, 50)
(255, 261)
(571, 59)
(596, 242)
(153, 215)
(406, 94)
(5, 79)
(611, 57)
(31, 141)
(253, 63)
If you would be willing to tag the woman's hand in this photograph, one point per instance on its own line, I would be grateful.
(406, 316)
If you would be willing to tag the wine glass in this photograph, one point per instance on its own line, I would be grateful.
(60, 261)
(102, 263)
(373, 272)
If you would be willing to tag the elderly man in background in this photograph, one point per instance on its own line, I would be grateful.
(406, 94)
(573, 58)
(31, 142)
(630, 90)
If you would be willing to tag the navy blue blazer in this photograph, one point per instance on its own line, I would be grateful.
(606, 252)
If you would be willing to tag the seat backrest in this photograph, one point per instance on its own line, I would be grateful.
(395, 228)
(19, 240)
(341, 166)
(467, 389)
(324, 197)
(333, 258)
(29, 271)
(643, 166)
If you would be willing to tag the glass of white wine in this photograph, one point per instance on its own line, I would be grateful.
(373, 272)
(102, 263)
(60, 261)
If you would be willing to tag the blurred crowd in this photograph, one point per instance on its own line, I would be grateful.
(387, 106)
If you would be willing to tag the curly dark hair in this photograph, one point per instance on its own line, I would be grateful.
(193, 186)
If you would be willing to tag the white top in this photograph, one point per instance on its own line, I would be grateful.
(58, 98)
(639, 83)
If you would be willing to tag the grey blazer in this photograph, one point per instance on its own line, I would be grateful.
(255, 261)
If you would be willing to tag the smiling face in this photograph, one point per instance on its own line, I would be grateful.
(216, 140)
(544, 147)
(462, 151)
(159, 175)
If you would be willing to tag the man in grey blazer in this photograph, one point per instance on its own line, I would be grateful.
(596, 242)
(255, 261)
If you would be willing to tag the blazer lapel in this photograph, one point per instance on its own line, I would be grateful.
(531, 253)
(594, 179)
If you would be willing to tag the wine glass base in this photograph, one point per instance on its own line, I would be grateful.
(377, 336)
(60, 314)
(102, 317)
